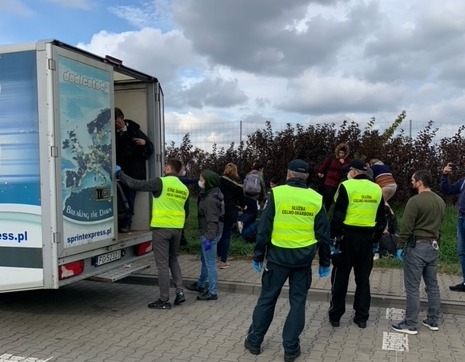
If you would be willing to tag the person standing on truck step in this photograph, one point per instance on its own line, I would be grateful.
(133, 148)
(170, 207)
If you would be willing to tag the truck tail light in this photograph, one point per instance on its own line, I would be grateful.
(71, 269)
(144, 248)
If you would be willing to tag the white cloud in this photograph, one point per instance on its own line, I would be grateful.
(147, 50)
(154, 13)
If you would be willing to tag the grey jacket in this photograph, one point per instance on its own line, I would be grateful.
(210, 213)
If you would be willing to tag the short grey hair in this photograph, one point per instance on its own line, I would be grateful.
(298, 174)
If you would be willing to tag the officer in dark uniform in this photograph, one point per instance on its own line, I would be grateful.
(358, 222)
(292, 227)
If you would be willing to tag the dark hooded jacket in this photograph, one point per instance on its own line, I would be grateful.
(210, 207)
(332, 167)
(130, 157)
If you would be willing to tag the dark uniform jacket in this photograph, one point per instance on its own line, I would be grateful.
(300, 257)
(339, 215)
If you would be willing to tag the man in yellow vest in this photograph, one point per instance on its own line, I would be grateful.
(291, 229)
(169, 209)
(358, 222)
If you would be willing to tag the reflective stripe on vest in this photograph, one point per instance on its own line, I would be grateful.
(295, 211)
(168, 209)
(364, 199)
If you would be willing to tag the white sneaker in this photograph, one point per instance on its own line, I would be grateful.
(240, 226)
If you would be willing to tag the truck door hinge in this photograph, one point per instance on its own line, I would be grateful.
(54, 151)
(52, 64)
(56, 237)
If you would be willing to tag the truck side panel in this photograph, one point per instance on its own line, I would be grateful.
(85, 109)
(21, 263)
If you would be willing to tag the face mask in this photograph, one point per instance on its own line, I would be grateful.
(183, 173)
(349, 176)
(201, 185)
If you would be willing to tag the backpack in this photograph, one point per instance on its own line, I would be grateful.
(388, 245)
(252, 184)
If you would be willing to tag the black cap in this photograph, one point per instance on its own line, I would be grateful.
(357, 164)
(298, 166)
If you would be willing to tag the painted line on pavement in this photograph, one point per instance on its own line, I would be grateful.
(395, 314)
(395, 342)
(6, 357)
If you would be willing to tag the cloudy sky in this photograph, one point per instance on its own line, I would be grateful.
(297, 61)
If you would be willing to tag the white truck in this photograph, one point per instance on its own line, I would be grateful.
(58, 205)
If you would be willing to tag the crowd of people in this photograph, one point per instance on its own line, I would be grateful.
(295, 225)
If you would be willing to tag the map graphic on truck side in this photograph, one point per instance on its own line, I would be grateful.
(86, 151)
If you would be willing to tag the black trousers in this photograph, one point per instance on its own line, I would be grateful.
(357, 253)
(273, 279)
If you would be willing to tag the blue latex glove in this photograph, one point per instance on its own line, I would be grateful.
(323, 271)
(400, 255)
(206, 244)
(258, 266)
(117, 170)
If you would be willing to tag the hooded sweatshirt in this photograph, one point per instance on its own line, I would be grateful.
(210, 207)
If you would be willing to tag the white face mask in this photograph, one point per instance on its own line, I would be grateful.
(349, 176)
(183, 173)
(201, 184)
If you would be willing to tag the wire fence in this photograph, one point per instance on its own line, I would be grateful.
(223, 134)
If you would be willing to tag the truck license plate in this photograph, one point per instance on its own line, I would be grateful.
(107, 258)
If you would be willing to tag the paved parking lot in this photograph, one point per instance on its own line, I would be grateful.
(90, 321)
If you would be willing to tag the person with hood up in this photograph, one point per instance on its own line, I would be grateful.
(133, 148)
(210, 214)
(332, 172)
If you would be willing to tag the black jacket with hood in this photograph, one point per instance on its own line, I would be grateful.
(130, 157)
(210, 207)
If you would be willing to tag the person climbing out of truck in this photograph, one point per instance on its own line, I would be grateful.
(133, 148)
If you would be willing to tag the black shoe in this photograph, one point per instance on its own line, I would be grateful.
(458, 288)
(360, 324)
(252, 349)
(207, 296)
(291, 357)
(195, 288)
(159, 304)
(334, 323)
(180, 298)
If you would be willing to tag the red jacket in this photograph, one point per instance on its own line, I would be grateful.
(332, 167)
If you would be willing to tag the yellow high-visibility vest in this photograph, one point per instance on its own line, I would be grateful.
(364, 199)
(168, 209)
(295, 211)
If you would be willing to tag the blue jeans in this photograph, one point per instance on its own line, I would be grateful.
(208, 269)
(247, 230)
(461, 244)
(251, 212)
(422, 260)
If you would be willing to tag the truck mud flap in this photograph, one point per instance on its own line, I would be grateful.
(122, 272)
